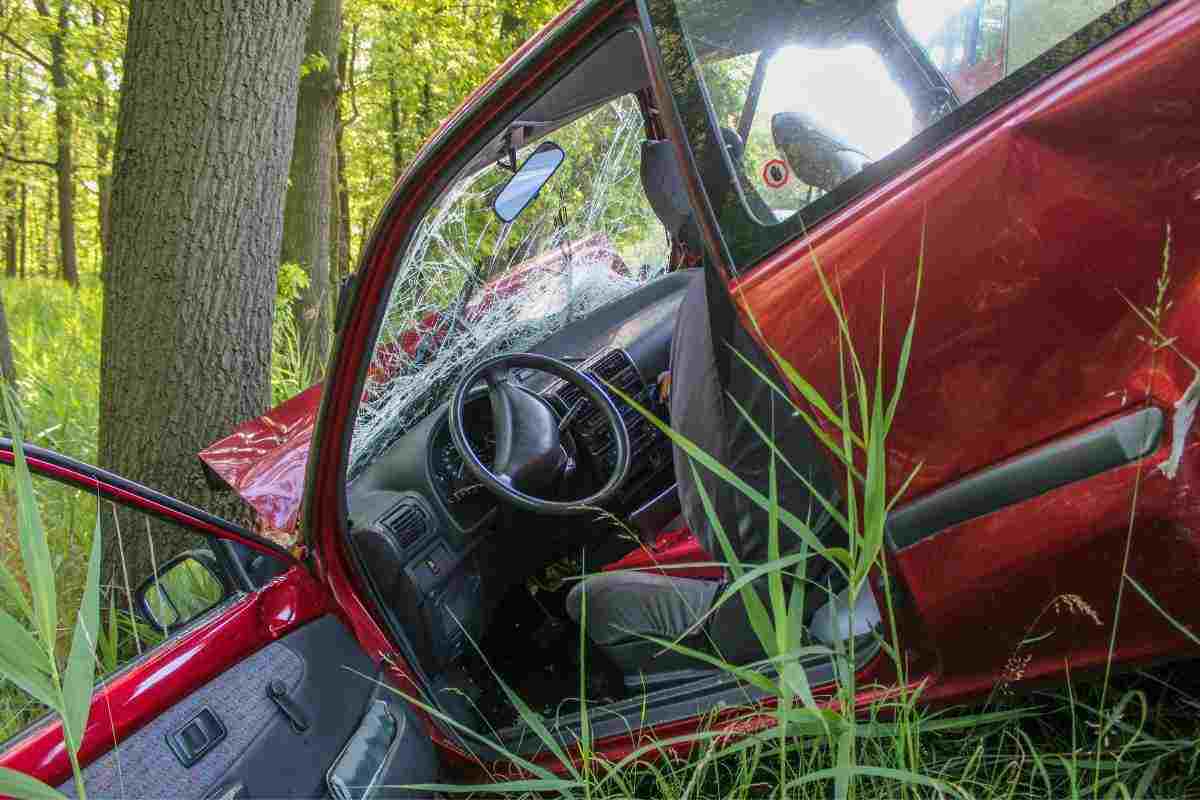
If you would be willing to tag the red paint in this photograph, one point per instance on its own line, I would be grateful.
(1023, 337)
(672, 548)
(166, 676)
(264, 459)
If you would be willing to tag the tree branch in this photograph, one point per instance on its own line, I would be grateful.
(29, 161)
(25, 51)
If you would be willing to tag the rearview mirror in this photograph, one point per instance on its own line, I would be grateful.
(525, 184)
(184, 588)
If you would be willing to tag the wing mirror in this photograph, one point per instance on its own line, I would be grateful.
(525, 184)
(816, 155)
(184, 588)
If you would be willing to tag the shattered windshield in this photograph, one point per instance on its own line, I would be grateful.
(471, 286)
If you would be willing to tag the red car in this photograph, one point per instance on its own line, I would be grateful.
(637, 199)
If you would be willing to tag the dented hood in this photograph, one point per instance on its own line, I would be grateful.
(264, 460)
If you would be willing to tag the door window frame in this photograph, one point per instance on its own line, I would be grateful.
(745, 242)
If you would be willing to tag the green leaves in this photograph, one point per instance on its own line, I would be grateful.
(21, 786)
(35, 552)
(81, 671)
(23, 661)
(30, 661)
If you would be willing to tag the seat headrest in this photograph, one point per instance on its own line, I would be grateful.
(662, 181)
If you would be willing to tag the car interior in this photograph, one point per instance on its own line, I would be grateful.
(478, 498)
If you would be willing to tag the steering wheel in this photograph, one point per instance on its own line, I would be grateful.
(529, 451)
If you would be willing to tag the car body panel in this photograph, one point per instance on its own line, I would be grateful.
(137, 696)
(1025, 335)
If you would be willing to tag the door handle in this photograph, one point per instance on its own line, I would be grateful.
(202, 733)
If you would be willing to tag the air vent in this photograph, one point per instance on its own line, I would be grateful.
(406, 521)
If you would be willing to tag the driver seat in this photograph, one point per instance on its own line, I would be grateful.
(620, 609)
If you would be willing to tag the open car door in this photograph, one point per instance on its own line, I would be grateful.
(227, 677)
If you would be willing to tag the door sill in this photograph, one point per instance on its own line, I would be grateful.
(710, 690)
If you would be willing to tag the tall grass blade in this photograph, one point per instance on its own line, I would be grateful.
(760, 621)
(35, 552)
(23, 659)
(745, 674)
(80, 675)
(906, 347)
(843, 775)
(19, 785)
(829, 508)
(699, 455)
(12, 590)
(1149, 598)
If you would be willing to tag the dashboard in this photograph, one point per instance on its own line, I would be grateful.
(417, 513)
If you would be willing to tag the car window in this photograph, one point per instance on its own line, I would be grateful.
(193, 575)
(813, 95)
(471, 285)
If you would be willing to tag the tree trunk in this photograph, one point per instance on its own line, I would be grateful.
(10, 228)
(341, 249)
(64, 128)
(307, 215)
(48, 252)
(103, 144)
(204, 139)
(7, 371)
(9, 212)
(23, 228)
(396, 122)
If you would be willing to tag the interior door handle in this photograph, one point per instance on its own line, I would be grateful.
(202, 733)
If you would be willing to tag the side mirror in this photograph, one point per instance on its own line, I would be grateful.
(184, 588)
(525, 184)
(816, 155)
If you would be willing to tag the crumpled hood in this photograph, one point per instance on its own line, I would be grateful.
(264, 460)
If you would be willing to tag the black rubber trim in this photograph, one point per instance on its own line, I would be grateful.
(1075, 458)
(86, 476)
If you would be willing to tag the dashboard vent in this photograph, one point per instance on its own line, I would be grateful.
(406, 521)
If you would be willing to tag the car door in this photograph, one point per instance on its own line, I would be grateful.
(247, 686)
(1034, 160)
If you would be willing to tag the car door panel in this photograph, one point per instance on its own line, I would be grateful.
(221, 665)
(328, 679)
(1025, 336)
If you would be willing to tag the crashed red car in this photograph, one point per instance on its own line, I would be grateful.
(615, 205)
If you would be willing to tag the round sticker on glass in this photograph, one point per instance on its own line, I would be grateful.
(776, 173)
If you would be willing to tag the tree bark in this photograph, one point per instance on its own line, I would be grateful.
(10, 228)
(307, 223)
(48, 251)
(23, 229)
(103, 143)
(9, 211)
(64, 129)
(396, 122)
(204, 138)
(341, 249)
(7, 371)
